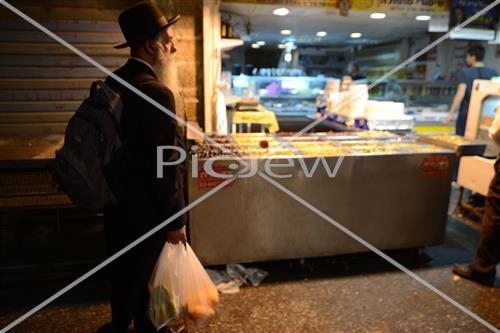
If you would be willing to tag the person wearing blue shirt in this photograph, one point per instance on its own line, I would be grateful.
(475, 70)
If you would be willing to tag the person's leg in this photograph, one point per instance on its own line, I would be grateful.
(482, 269)
(121, 313)
(141, 319)
(119, 276)
(488, 252)
(145, 260)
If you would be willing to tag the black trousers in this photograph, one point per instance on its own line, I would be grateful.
(488, 252)
(131, 272)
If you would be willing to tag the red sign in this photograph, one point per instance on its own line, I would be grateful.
(435, 167)
(206, 181)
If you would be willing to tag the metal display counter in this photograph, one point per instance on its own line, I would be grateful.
(460, 145)
(393, 200)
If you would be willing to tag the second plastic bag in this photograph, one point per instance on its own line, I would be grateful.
(181, 293)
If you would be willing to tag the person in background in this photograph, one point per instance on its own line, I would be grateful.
(458, 16)
(475, 70)
(354, 72)
(483, 268)
(145, 200)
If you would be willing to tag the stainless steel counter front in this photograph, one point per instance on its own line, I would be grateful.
(392, 201)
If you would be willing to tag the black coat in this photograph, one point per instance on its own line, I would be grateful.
(147, 199)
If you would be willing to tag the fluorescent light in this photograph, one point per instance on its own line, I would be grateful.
(497, 38)
(261, 42)
(286, 32)
(255, 46)
(281, 46)
(423, 18)
(281, 11)
(321, 33)
(377, 16)
(472, 34)
(288, 57)
(356, 35)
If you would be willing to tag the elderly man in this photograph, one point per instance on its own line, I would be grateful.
(144, 200)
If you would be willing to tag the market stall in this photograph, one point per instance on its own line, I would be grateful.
(392, 191)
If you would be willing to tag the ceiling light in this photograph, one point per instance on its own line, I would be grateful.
(377, 16)
(423, 18)
(261, 42)
(281, 46)
(288, 57)
(472, 34)
(321, 33)
(281, 11)
(286, 32)
(356, 35)
(255, 46)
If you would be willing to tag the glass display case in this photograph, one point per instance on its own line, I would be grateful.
(284, 95)
(296, 95)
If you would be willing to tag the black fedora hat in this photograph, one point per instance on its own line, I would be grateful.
(142, 21)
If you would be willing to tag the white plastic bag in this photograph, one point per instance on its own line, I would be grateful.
(164, 301)
(182, 293)
(198, 293)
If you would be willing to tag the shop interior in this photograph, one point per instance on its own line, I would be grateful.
(282, 58)
(317, 82)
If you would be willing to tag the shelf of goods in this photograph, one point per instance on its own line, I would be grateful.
(391, 190)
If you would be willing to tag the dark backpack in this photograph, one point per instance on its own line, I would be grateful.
(91, 142)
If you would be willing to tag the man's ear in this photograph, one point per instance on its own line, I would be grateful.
(150, 47)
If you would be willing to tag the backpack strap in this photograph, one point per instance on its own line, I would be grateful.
(102, 94)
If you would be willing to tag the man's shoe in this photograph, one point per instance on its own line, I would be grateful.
(468, 272)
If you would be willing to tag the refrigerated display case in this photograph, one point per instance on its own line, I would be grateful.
(284, 95)
(391, 190)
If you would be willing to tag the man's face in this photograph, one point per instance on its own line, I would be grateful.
(163, 63)
(470, 60)
(165, 45)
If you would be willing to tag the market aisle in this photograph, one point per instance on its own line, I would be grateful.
(355, 293)
(386, 302)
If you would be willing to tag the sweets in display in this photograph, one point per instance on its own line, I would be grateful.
(260, 145)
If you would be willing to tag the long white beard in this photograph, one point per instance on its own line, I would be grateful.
(166, 71)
